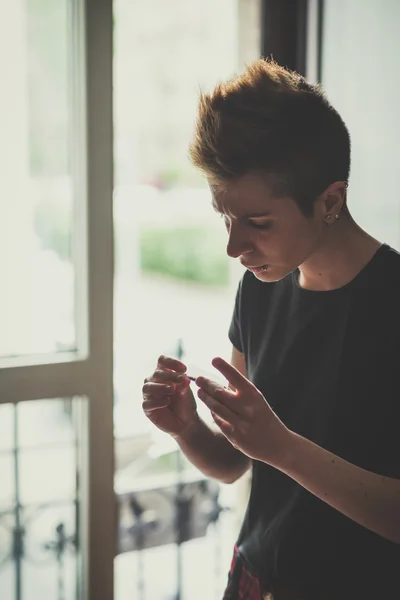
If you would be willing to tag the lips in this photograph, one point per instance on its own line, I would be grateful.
(261, 269)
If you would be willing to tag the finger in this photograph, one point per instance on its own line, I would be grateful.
(161, 376)
(157, 390)
(226, 396)
(217, 407)
(235, 378)
(214, 389)
(149, 405)
(171, 363)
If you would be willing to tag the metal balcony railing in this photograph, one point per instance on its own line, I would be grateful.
(39, 540)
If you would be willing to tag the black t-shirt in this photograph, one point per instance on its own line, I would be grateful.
(328, 363)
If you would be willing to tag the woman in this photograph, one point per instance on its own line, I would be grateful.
(313, 406)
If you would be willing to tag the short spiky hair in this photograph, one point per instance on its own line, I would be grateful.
(271, 120)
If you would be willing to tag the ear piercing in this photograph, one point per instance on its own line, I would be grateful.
(329, 218)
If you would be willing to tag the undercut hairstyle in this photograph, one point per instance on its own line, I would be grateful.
(271, 121)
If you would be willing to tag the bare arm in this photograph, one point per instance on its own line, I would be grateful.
(209, 450)
(248, 421)
(368, 498)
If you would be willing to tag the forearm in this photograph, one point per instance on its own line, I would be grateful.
(212, 453)
(369, 499)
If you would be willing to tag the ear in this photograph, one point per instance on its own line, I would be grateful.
(330, 203)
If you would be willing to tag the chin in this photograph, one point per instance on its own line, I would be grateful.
(272, 274)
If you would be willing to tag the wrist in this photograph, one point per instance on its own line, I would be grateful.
(187, 432)
(289, 452)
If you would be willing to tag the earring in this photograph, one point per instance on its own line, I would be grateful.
(329, 218)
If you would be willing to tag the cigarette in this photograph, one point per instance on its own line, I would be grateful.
(199, 372)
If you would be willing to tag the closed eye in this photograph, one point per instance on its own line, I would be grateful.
(263, 225)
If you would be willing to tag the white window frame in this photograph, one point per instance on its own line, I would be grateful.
(89, 371)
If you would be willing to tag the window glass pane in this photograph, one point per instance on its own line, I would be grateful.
(361, 77)
(44, 575)
(39, 503)
(174, 285)
(47, 473)
(6, 427)
(7, 567)
(7, 489)
(50, 427)
(7, 496)
(36, 303)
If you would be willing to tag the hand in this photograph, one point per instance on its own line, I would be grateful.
(244, 416)
(168, 400)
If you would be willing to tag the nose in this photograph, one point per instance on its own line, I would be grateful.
(237, 244)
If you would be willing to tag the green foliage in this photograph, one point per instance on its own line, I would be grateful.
(191, 253)
(194, 253)
(171, 177)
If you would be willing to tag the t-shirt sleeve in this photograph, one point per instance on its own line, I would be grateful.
(235, 328)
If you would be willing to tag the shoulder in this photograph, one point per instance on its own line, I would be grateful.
(378, 285)
(387, 268)
(379, 300)
(383, 287)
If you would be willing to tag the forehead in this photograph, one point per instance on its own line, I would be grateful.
(248, 195)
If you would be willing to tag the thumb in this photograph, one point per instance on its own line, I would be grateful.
(184, 386)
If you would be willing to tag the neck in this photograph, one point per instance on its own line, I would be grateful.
(344, 252)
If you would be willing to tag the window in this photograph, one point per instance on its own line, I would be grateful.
(37, 300)
(174, 285)
(360, 75)
(57, 394)
(39, 500)
(56, 317)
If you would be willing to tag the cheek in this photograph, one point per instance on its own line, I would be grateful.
(291, 246)
(303, 242)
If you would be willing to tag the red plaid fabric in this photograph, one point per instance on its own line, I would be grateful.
(242, 584)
